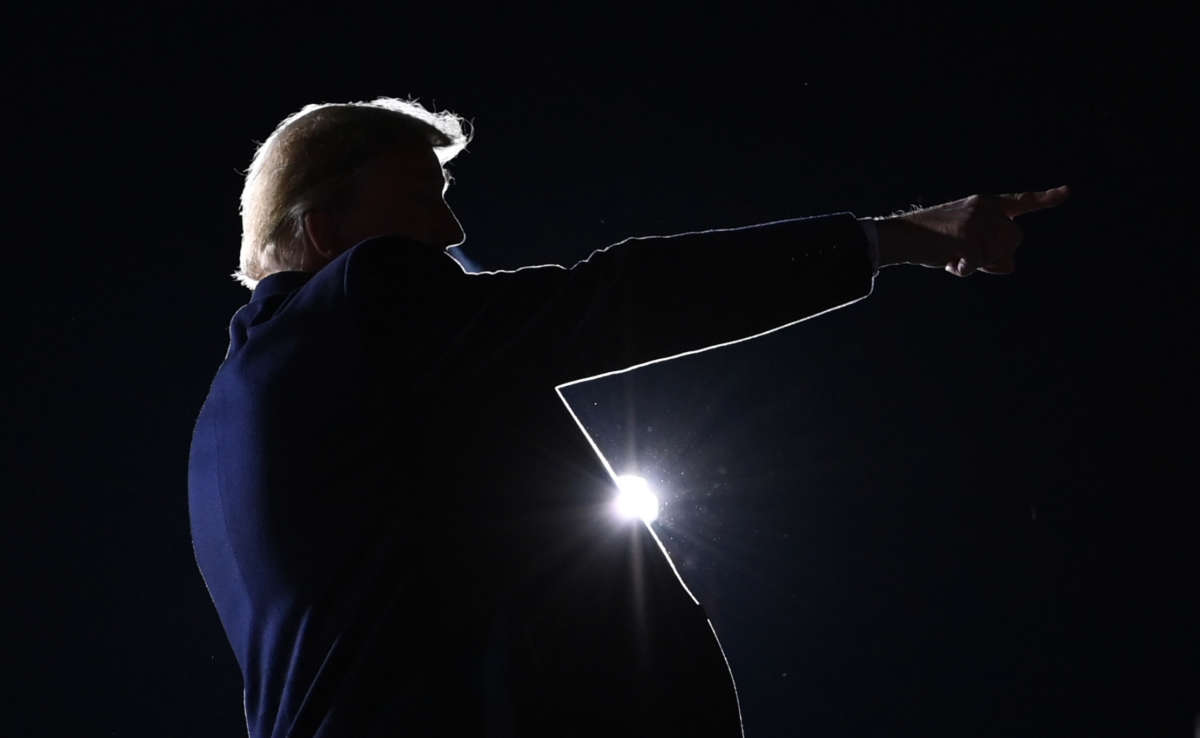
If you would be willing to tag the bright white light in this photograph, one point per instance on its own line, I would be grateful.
(635, 500)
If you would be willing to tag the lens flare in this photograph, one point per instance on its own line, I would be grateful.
(635, 499)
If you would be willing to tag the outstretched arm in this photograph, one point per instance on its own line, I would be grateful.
(650, 298)
(636, 301)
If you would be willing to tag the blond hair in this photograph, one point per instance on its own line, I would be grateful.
(310, 161)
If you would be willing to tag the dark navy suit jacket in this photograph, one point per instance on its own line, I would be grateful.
(402, 526)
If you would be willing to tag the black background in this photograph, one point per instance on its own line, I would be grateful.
(959, 507)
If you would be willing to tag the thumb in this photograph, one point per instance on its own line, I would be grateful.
(1003, 266)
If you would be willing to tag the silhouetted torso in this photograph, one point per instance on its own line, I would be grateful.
(401, 525)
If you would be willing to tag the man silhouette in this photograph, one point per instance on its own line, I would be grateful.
(401, 525)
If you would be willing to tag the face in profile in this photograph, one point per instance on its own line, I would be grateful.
(401, 193)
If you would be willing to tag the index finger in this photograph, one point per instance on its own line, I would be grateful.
(1026, 202)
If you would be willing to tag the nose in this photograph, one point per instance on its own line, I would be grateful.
(451, 232)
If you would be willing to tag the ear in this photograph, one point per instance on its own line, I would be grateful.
(320, 228)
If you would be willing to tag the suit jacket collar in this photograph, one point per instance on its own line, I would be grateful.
(278, 283)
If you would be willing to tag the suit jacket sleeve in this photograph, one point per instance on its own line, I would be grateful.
(636, 301)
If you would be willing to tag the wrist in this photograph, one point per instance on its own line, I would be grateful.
(895, 237)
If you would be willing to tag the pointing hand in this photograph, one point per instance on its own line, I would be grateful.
(976, 232)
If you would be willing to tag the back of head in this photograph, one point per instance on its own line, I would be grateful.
(310, 161)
